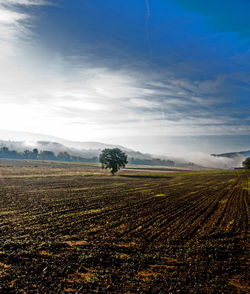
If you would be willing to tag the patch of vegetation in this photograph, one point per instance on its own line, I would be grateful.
(43, 155)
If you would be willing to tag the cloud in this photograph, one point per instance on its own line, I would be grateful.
(10, 22)
(25, 2)
(101, 102)
(207, 160)
(57, 95)
(14, 24)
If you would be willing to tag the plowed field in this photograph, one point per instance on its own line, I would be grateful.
(72, 229)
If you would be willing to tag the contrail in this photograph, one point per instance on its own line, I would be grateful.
(148, 9)
(147, 26)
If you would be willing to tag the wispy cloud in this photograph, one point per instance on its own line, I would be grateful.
(10, 25)
(87, 101)
(14, 24)
(101, 102)
(26, 2)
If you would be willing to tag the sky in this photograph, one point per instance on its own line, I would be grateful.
(161, 76)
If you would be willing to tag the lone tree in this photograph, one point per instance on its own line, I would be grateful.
(246, 163)
(113, 159)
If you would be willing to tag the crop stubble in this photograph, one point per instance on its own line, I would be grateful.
(66, 232)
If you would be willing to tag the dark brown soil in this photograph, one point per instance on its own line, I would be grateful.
(73, 229)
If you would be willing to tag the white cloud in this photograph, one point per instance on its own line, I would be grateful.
(10, 27)
(10, 17)
(100, 103)
(13, 25)
(24, 2)
(91, 102)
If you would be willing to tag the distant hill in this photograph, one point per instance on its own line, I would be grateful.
(54, 151)
(21, 141)
(45, 150)
(233, 154)
(84, 149)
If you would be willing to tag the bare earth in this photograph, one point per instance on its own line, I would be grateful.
(73, 228)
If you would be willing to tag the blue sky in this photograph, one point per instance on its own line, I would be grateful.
(121, 71)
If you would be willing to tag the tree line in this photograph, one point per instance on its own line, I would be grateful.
(43, 155)
(153, 161)
(35, 154)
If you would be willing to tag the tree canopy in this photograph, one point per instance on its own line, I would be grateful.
(246, 163)
(113, 159)
(43, 155)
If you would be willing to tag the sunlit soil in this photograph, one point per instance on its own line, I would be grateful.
(74, 228)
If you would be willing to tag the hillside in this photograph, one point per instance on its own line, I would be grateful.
(233, 154)
(46, 150)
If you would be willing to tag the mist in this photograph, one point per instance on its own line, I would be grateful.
(209, 161)
(182, 150)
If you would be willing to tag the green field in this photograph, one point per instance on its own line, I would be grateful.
(73, 228)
